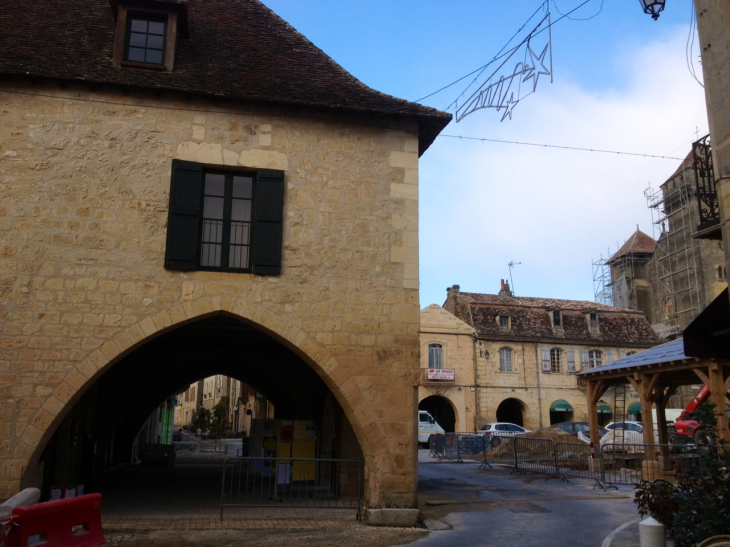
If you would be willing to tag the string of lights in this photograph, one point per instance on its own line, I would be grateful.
(483, 140)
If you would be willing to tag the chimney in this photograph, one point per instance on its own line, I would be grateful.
(505, 291)
(452, 294)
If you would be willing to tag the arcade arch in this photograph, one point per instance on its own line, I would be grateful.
(511, 410)
(127, 377)
(442, 409)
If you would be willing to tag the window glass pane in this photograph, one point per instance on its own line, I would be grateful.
(153, 56)
(215, 185)
(213, 207)
(210, 255)
(212, 231)
(422, 418)
(242, 187)
(241, 210)
(501, 427)
(136, 54)
(136, 39)
(238, 257)
(138, 25)
(156, 27)
(154, 41)
(240, 233)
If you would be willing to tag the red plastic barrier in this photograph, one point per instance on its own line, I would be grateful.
(73, 522)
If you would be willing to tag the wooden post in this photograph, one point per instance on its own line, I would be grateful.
(715, 381)
(661, 400)
(593, 413)
(717, 391)
(594, 391)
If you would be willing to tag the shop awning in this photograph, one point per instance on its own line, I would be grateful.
(634, 408)
(603, 408)
(561, 406)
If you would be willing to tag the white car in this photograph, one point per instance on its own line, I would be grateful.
(499, 430)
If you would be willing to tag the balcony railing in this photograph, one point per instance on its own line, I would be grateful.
(709, 208)
(437, 375)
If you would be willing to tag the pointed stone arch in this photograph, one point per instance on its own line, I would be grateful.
(30, 440)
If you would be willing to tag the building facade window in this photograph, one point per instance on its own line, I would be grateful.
(593, 320)
(554, 360)
(595, 358)
(435, 356)
(225, 221)
(504, 321)
(722, 273)
(145, 38)
(225, 238)
(505, 360)
(557, 318)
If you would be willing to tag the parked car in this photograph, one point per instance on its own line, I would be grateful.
(574, 427)
(499, 430)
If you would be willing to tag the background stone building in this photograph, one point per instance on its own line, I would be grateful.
(213, 202)
(447, 390)
(673, 278)
(526, 352)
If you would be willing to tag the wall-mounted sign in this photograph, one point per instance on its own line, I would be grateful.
(441, 374)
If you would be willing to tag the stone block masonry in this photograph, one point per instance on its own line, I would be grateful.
(84, 189)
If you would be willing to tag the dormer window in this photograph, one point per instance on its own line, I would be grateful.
(145, 38)
(504, 321)
(593, 320)
(557, 318)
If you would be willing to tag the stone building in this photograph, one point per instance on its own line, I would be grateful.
(191, 188)
(447, 389)
(670, 279)
(525, 354)
(208, 392)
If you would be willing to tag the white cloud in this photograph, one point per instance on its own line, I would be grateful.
(554, 211)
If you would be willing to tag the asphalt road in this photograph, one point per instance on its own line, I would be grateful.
(526, 509)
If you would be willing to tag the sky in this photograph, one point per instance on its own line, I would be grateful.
(621, 82)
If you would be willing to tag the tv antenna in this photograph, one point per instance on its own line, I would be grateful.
(511, 265)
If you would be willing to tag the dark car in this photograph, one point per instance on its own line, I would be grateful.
(574, 427)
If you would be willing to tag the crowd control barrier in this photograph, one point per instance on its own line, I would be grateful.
(260, 481)
(73, 522)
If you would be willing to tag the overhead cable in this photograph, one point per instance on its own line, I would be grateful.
(483, 140)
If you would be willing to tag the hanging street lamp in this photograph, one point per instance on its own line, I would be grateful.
(652, 7)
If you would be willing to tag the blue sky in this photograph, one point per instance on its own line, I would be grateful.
(621, 82)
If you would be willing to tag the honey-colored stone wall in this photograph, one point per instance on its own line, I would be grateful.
(457, 340)
(84, 187)
(535, 389)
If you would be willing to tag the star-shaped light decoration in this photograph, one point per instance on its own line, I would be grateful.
(511, 103)
(535, 59)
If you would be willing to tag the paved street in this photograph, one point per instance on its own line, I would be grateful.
(462, 504)
(522, 513)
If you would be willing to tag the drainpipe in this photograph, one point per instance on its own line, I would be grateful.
(476, 385)
(539, 393)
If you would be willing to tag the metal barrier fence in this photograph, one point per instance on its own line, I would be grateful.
(609, 465)
(291, 482)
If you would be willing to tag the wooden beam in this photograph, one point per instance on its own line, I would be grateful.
(716, 383)
(645, 385)
(704, 377)
(652, 381)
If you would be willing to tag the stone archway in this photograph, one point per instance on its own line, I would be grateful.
(442, 409)
(511, 410)
(378, 461)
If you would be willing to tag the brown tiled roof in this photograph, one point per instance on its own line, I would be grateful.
(236, 49)
(638, 243)
(531, 319)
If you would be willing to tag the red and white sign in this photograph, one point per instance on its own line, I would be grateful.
(441, 374)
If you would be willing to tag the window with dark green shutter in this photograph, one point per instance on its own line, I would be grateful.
(225, 220)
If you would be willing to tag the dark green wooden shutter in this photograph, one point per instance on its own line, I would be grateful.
(268, 222)
(183, 221)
